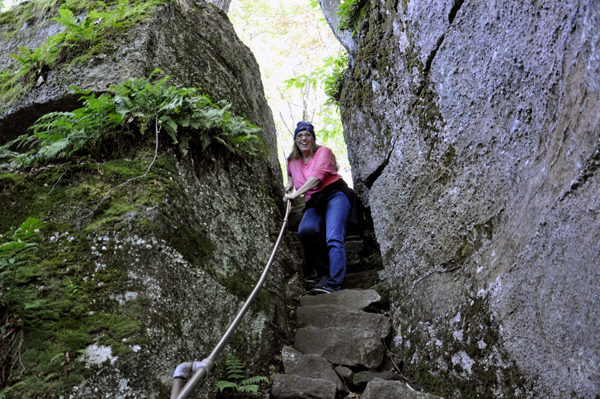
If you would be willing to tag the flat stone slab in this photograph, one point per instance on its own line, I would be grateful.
(338, 316)
(342, 346)
(378, 389)
(361, 379)
(290, 386)
(311, 366)
(353, 299)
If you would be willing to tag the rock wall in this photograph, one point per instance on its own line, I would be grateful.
(154, 276)
(473, 130)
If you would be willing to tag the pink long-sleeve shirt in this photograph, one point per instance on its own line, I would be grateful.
(321, 165)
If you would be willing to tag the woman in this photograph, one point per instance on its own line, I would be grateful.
(331, 207)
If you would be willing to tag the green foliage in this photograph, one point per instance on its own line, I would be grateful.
(235, 371)
(12, 257)
(183, 113)
(6, 390)
(329, 75)
(81, 39)
(350, 12)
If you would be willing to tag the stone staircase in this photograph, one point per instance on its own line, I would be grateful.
(339, 349)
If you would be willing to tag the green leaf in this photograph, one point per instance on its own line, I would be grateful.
(248, 388)
(226, 384)
(254, 380)
(56, 357)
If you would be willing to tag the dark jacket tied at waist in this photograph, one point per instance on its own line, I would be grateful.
(319, 201)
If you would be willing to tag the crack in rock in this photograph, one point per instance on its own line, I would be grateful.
(370, 180)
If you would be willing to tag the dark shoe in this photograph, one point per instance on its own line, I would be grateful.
(321, 290)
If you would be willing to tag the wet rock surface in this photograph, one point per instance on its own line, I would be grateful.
(473, 132)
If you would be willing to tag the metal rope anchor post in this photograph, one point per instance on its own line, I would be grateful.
(203, 368)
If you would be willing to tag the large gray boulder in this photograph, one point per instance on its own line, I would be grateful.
(190, 40)
(473, 130)
(154, 276)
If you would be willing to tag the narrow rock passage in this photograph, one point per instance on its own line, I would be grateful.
(339, 349)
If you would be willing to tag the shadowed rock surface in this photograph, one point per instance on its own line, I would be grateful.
(473, 130)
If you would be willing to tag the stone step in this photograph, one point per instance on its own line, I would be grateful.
(310, 366)
(352, 299)
(342, 346)
(360, 380)
(338, 316)
(378, 389)
(291, 386)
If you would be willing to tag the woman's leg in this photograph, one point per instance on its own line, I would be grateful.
(336, 219)
(312, 235)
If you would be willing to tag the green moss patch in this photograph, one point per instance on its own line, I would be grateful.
(76, 300)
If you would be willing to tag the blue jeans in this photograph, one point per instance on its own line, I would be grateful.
(323, 236)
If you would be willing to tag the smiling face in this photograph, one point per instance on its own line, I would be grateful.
(305, 141)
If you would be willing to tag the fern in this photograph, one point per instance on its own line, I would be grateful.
(82, 37)
(235, 371)
(12, 255)
(182, 113)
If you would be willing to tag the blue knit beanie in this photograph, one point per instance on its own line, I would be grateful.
(304, 126)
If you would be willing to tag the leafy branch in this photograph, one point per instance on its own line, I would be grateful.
(329, 75)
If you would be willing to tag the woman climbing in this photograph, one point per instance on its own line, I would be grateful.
(331, 208)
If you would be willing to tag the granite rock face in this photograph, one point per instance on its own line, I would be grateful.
(473, 130)
(190, 40)
(173, 266)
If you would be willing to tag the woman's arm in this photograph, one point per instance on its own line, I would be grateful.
(311, 183)
(290, 184)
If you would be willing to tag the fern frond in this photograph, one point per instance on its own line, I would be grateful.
(226, 384)
(254, 380)
(248, 388)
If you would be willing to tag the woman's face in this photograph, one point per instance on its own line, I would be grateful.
(305, 140)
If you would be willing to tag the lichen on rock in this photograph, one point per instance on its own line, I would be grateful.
(472, 131)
